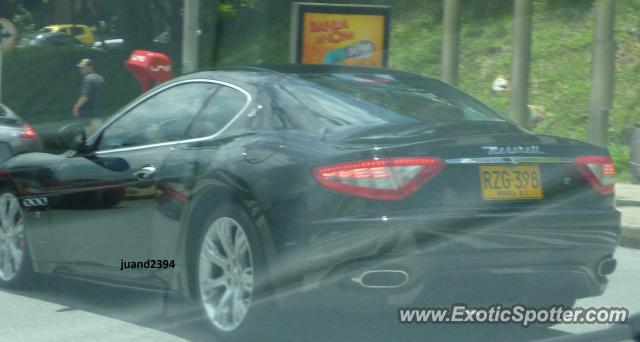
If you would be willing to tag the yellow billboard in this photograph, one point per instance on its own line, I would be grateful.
(340, 34)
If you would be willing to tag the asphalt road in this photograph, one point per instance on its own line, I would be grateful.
(65, 310)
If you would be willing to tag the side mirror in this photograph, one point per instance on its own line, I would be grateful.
(72, 137)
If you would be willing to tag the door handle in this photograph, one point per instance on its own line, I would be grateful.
(145, 172)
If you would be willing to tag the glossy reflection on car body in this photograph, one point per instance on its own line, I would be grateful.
(298, 183)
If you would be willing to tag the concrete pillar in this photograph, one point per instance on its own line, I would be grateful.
(603, 73)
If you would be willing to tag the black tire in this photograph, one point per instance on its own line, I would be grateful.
(254, 324)
(18, 275)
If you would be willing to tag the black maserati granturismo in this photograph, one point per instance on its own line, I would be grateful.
(250, 187)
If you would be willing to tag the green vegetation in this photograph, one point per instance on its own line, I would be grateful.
(560, 72)
(42, 84)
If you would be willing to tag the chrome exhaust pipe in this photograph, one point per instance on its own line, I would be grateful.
(382, 279)
(606, 266)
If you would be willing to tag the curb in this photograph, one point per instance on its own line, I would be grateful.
(627, 202)
(630, 236)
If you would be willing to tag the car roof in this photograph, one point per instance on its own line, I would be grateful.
(259, 74)
(59, 26)
(6, 112)
(51, 34)
(297, 69)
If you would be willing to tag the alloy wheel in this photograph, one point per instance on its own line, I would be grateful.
(11, 236)
(226, 274)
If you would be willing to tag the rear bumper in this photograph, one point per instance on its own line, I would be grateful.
(462, 256)
(15, 146)
(442, 281)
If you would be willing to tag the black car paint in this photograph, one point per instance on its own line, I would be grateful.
(83, 231)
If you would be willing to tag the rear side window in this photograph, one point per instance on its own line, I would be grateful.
(163, 117)
(76, 31)
(219, 110)
(61, 39)
(281, 110)
(7, 117)
(361, 100)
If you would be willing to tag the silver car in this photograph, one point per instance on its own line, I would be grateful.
(16, 136)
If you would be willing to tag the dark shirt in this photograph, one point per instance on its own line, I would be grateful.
(92, 88)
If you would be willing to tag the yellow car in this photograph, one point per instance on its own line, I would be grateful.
(83, 33)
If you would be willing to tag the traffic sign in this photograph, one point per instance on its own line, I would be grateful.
(8, 34)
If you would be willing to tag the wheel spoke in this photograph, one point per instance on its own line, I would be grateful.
(4, 247)
(3, 204)
(4, 212)
(223, 308)
(12, 210)
(17, 229)
(226, 297)
(211, 254)
(208, 286)
(6, 262)
(224, 236)
(247, 280)
(238, 310)
(15, 254)
(241, 245)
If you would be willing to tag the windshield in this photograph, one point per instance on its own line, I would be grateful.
(47, 30)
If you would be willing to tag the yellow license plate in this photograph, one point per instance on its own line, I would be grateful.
(510, 182)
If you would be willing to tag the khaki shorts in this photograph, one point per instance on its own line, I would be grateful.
(92, 125)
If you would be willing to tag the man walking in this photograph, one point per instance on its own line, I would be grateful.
(89, 105)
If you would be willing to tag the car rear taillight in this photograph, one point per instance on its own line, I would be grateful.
(28, 132)
(599, 171)
(382, 178)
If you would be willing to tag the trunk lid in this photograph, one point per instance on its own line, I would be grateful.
(548, 164)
